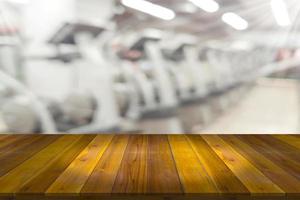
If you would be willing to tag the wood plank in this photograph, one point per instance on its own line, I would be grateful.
(73, 178)
(15, 158)
(192, 174)
(103, 177)
(289, 150)
(41, 182)
(256, 182)
(132, 175)
(18, 144)
(10, 140)
(164, 178)
(273, 154)
(289, 139)
(279, 176)
(14, 179)
(4, 137)
(224, 178)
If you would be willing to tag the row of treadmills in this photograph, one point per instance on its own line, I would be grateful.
(133, 82)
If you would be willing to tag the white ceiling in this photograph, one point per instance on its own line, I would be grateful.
(190, 19)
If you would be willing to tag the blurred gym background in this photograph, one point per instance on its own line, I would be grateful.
(149, 66)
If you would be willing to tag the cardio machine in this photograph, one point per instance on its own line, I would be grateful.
(192, 84)
(93, 78)
(158, 103)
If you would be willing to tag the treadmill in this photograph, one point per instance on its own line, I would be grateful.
(91, 74)
(194, 111)
(157, 99)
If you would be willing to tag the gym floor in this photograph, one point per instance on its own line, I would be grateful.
(272, 106)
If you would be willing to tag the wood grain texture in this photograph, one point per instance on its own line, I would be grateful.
(192, 174)
(291, 152)
(282, 178)
(252, 178)
(224, 178)
(41, 181)
(14, 179)
(161, 167)
(74, 177)
(11, 160)
(152, 167)
(8, 141)
(272, 153)
(4, 137)
(103, 177)
(132, 175)
(290, 139)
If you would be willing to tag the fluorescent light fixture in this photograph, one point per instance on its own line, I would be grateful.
(235, 21)
(188, 8)
(150, 8)
(280, 12)
(206, 5)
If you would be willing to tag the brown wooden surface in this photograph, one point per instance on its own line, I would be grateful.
(150, 167)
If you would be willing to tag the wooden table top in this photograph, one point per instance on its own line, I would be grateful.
(149, 166)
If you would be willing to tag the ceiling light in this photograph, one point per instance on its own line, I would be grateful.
(206, 5)
(235, 21)
(280, 12)
(150, 8)
(188, 8)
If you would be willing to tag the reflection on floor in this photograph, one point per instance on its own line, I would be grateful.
(272, 106)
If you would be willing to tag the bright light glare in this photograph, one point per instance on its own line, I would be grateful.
(206, 5)
(235, 21)
(150, 8)
(280, 12)
(18, 1)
